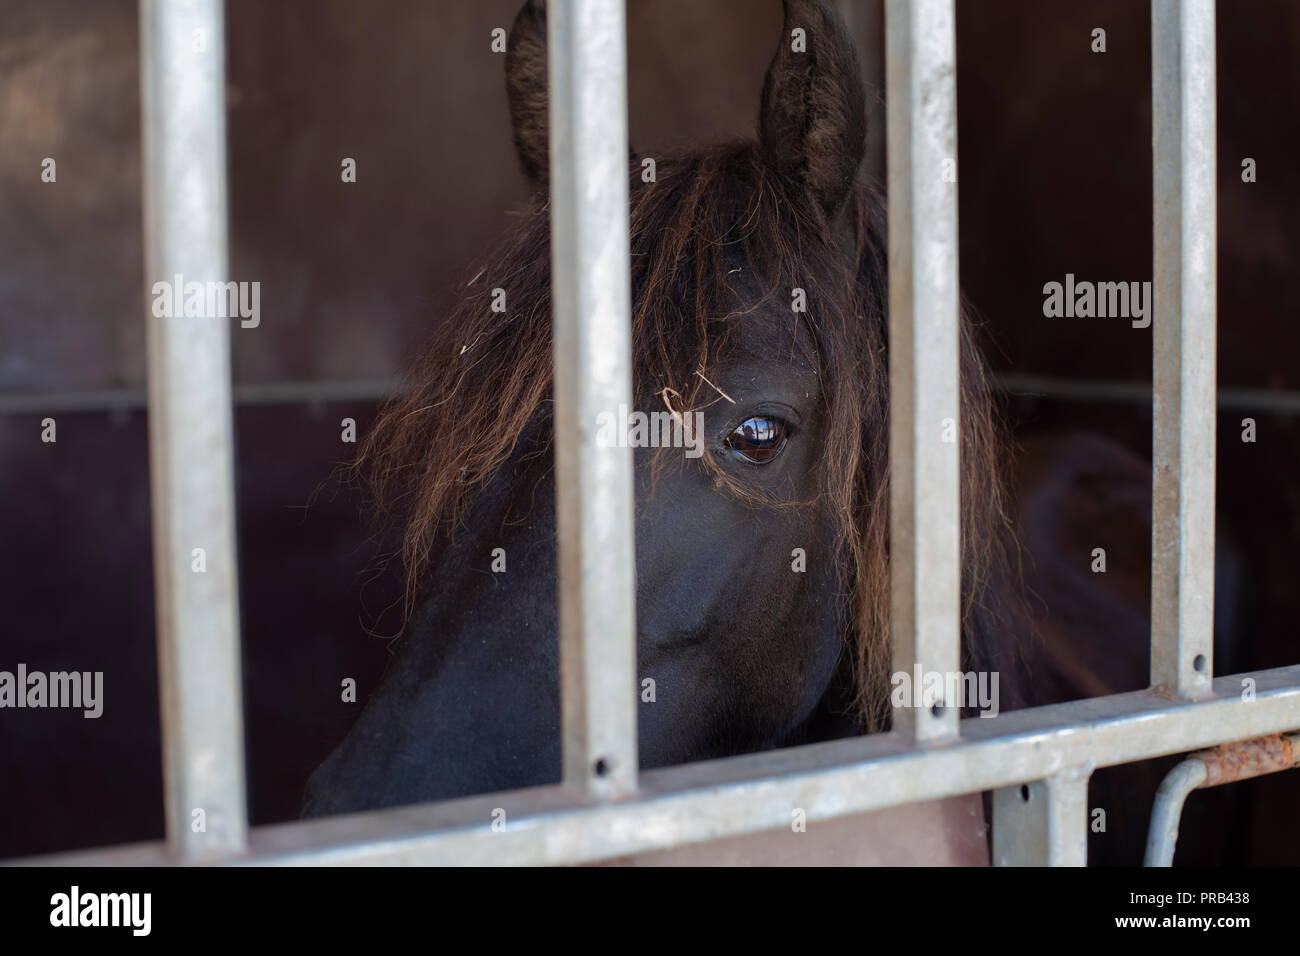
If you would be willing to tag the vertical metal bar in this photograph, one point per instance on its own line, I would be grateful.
(923, 367)
(182, 74)
(1043, 822)
(593, 373)
(1183, 131)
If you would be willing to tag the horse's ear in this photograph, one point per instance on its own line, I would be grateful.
(813, 124)
(528, 91)
(526, 87)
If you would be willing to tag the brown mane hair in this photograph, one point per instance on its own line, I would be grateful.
(473, 393)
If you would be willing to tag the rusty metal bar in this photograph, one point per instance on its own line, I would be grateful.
(591, 311)
(182, 79)
(923, 306)
(1226, 763)
(1183, 125)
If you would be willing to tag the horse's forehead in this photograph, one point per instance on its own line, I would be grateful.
(768, 323)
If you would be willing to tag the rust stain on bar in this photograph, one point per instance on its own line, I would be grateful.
(1228, 763)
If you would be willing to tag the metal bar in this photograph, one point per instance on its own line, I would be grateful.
(1168, 810)
(1043, 822)
(746, 794)
(923, 306)
(1183, 130)
(591, 312)
(182, 77)
(258, 393)
(1261, 400)
(1226, 763)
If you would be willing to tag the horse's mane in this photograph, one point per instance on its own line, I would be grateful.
(475, 390)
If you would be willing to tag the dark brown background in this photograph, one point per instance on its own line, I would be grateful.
(1055, 177)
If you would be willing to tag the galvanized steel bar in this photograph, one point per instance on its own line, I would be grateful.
(190, 435)
(1183, 125)
(1167, 811)
(1043, 822)
(746, 794)
(923, 367)
(592, 321)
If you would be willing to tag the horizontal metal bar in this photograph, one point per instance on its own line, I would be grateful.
(924, 420)
(747, 794)
(261, 393)
(1261, 400)
(1102, 391)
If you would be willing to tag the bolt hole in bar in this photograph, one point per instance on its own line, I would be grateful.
(1045, 821)
(183, 127)
(920, 61)
(592, 306)
(1182, 545)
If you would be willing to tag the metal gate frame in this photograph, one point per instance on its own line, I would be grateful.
(1036, 761)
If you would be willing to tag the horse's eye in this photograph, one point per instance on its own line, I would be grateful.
(758, 439)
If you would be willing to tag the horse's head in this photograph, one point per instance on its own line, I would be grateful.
(758, 281)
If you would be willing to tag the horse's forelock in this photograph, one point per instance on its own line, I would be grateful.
(707, 215)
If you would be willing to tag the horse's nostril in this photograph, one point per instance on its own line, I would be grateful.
(601, 767)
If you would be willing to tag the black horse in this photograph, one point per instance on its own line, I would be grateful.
(762, 564)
